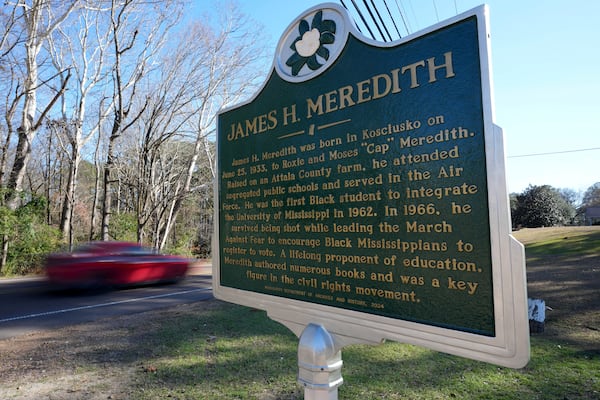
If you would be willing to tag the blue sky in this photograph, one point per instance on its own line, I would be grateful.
(546, 79)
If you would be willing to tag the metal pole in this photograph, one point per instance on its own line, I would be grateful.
(319, 364)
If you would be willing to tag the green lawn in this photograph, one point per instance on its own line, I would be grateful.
(581, 241)
(233, 352)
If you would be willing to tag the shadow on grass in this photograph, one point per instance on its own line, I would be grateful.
(404, 371)
(233, 352)
(216, 350)
(222, 352)
(570, 287)
(576, 244)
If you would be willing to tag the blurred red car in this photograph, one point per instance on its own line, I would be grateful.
(107, 264)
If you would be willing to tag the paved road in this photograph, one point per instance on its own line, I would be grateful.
(27, 304)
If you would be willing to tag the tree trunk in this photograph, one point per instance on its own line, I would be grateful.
(178, 201)
(22, 155)
(4, 257)
(106, 186)
(69, 199)
(97, 186)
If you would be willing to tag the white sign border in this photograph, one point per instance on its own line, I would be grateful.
(510, 346)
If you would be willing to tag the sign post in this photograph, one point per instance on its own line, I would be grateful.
(362, 191)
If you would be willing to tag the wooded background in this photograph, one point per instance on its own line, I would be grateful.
(108, 121)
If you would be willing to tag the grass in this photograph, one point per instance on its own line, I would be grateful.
(233, 352)
(543, 242)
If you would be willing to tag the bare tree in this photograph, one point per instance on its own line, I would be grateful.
(81, 49)
(196, 79)
(26, 25)
(39, 19)
(137, 34)
(8, 36)
(230, 62)
(11, 82)
(98, 172)
(12, 95)
(124, 84)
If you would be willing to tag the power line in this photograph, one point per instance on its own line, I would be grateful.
(414, 14)
(404, 21)
(362, 18)
(346, 7)
(382, 21)
(436, 11)
(392, 18)
(554, 152)
(374, 20)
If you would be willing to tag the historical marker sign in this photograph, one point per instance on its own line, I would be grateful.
(363, 188)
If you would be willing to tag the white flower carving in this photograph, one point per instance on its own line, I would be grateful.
(309, 44)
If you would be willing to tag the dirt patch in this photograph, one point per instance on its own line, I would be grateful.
(569, 284)
(105, 359)
(93, 361)
(570, 287)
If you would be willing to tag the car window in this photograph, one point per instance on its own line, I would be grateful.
(112, 248)
(136, 251)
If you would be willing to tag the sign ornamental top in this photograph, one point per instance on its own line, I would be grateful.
(311, 44)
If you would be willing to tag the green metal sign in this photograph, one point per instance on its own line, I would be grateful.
(363, 187)
(362, 191)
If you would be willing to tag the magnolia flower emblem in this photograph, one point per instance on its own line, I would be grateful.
(311, 43)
